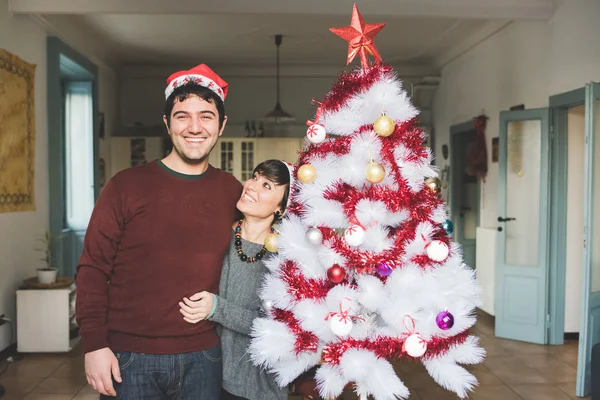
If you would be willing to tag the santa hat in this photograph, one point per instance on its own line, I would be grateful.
(201, 75)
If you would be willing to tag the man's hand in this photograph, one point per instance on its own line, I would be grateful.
(99, 366)
(197, 307)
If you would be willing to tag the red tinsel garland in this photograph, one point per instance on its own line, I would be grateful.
(390, 347)
(338, 146)
(305, 341)
(301, 288)
(352, 83)
(365, 262)
(349, 196)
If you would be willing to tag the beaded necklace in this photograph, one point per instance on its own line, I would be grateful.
(238, 245)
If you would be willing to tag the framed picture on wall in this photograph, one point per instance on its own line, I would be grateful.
(445, 179)
(101, 125)
(138, 151)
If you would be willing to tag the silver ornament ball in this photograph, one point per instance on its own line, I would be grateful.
(314, 236)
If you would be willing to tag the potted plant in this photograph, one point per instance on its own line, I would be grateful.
(47, 274)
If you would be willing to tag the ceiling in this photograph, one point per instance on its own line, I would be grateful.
(249, 39)
(420, 36)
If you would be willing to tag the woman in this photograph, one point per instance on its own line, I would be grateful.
(263, 201)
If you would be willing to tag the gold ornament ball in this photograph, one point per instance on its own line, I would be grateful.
(375, 172)
(434, 184)
(271, 242)
(307, 173)
(384, 126)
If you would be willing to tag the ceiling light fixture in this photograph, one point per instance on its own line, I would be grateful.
(278, 115)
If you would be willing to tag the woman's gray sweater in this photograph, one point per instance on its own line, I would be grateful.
(237, 305)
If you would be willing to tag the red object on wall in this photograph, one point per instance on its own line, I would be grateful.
(477, 160)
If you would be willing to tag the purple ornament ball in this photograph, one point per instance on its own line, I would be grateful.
(445, 320)
(383, 269)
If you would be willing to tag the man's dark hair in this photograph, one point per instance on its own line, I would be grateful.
(182, 92)
(278, 173)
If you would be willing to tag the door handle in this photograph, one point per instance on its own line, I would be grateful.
(500, 219)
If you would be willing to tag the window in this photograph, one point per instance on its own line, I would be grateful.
(79, 154)
(247, 160)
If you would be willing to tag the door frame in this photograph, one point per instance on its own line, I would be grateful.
(456, 131)
(63, 61)
(559, 135)
(586, 337)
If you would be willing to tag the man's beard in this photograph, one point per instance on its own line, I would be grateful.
(192, 161)
(187, 160)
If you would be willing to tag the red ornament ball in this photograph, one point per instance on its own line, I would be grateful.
(336, 274)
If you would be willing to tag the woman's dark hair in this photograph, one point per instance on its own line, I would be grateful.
(278, 173)
(184, 91)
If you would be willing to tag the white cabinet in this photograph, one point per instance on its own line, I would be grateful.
(285, 149)
(236, 156)
(239, 156)
(44, 320)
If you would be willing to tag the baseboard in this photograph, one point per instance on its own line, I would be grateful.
(484, 316)
(572, 336)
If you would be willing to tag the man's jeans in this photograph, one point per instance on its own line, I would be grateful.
(186, 376)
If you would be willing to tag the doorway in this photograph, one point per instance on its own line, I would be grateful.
(465, 190)
(575, 269)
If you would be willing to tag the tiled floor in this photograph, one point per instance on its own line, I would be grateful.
(511, 371)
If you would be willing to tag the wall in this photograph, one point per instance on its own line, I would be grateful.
(525, 63)
(23, 37)
(574, 53)
(489, 78)
(250, 98)
(252, 95)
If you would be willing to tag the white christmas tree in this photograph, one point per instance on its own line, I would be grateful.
(366, 271)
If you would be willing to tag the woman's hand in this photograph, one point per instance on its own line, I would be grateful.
(197, 307)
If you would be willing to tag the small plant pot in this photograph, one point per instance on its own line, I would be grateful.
(46, 276)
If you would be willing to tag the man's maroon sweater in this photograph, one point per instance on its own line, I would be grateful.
(155, 236)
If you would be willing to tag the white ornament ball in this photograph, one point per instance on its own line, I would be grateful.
(355, 235)
(415, 346)
(339, 325)
(314, 236)
(437, 250)
(316, 133)
(267, 306)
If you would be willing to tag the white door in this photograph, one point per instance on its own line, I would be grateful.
(523, 214)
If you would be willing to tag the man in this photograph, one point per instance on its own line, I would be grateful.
(159, 232)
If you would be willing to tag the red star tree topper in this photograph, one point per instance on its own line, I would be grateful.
(360, 38)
